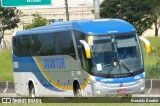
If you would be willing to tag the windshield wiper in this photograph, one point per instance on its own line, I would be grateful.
(126, 68)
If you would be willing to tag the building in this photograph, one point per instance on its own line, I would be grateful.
(78, 10)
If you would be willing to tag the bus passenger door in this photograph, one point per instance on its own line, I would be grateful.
(86, 66)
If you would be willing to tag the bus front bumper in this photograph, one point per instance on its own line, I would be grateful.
(126, 88)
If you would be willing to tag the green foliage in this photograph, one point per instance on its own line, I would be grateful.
(156, 16)
(137, 12)
(37, 22)
(9, 17)
(152, 71)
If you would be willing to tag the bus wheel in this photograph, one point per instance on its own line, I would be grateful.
(77, 91)
(31, 91)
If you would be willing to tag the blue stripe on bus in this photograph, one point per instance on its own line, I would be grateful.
(120, 80)
(27, 64)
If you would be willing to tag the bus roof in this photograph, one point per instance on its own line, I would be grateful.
(96, 27)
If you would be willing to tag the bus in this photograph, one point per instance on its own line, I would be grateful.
(78, 58)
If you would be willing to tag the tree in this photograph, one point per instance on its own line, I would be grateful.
(136, 12)
(156, 16)
(37, 21)
(9, 18)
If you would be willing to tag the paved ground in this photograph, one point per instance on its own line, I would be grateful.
(7, 89)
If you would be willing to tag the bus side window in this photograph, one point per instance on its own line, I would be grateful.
(78, 36)
(65, 44)
(25, 45)
(16, 46)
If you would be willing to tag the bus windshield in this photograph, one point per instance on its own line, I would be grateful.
(124, 49)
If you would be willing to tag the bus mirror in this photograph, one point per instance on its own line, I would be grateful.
(87, 49)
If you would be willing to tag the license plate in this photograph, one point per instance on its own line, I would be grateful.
(121, 91)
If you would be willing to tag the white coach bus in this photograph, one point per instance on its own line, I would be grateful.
(78, 58)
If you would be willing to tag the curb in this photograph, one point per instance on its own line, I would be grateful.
(148, 84)
(2, 85)
(155, 84)
(11, 85)
(7, 87)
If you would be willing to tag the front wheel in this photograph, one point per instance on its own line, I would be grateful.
(77, 91)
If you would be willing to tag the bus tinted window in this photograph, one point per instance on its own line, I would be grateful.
(64, 43)
(21, 45)
(44, 44)
(16, 45)
(78, 36)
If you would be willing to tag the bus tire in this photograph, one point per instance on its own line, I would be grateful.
(31, 91)
(77, 91)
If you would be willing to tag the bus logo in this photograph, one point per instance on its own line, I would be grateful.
(121, 85)
(54, 63)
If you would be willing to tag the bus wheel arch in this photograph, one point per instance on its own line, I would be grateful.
(31, 89)
(77, 89)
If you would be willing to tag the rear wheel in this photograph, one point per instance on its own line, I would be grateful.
(32, 91)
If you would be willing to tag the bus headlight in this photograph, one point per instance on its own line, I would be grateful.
(140, 80)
